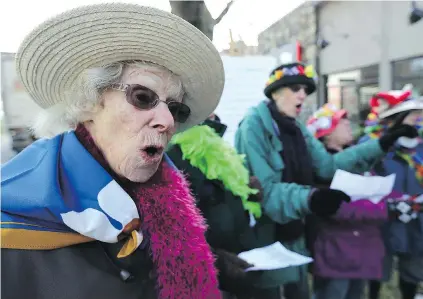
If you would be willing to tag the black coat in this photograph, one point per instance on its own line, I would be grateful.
(228, 228)
(84, 271)
(225, 215)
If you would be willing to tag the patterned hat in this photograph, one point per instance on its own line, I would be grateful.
(324, 121)
(288, 75)
(382, 102)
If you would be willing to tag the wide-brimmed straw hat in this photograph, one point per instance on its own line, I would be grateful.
(55, 53)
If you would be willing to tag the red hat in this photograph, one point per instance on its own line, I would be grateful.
(324, 121)
(383, 101)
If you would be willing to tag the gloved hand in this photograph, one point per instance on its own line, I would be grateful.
(232, 275)
(326, 202)
(255, 184)
(401, 130)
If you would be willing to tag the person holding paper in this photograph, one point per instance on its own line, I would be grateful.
(352, 235)
(403, 236)
(228, 198)
(283, 154)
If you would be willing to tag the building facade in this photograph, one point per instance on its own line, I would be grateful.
(370, 46)
(357, 47)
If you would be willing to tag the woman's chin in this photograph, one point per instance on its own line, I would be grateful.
(143, 172)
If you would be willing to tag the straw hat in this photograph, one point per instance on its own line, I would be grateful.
(53, 55)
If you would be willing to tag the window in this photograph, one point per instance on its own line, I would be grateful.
(412, 67)
(417, 84)
(408, 71)
(370, 73)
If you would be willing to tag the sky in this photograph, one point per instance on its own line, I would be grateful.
(246, 18)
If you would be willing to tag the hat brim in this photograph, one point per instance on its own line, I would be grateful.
(340, 114)
(405, 106)
(54, 54)
(289, 81)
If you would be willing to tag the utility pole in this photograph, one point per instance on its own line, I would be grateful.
(385, 68)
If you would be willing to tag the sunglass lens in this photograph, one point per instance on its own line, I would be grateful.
(142, 97)
(179, 111)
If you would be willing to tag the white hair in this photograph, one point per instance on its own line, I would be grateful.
(84, 98)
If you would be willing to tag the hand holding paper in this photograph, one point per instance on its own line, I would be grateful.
(373, 188)
(326, 202)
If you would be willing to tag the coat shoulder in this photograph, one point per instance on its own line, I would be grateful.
(51, 274)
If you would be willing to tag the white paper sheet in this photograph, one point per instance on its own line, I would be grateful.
(272, 257)
(373, 188)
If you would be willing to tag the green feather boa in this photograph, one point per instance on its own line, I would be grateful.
(217, 160)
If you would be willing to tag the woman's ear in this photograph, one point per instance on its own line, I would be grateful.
(102, 100)
(276, 95)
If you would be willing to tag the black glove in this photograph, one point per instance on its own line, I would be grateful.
(255, 184)
(232, 275)
(326, 202)
(401, 130)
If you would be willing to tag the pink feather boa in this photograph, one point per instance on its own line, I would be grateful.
(182, 258)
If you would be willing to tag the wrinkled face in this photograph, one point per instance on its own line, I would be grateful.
(133, 140)
(342, 135)
(289, 100)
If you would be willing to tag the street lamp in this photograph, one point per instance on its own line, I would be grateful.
(416, 13)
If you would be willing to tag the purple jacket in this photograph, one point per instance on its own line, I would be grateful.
(350, 244)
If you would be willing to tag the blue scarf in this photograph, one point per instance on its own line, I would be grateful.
(55, 194)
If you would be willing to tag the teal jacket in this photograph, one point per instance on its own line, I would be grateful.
(257, 139)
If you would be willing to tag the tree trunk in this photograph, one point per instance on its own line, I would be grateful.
(196, 13)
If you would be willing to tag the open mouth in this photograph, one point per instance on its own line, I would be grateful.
(298, 107)
(152, 151)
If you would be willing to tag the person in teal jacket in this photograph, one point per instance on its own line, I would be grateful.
(285, 157)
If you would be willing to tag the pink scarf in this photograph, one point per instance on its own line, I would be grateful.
(182, 258)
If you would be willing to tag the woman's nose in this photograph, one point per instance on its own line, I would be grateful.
(162, 120)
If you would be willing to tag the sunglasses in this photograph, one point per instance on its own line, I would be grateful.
(144, 98)
(297, 88)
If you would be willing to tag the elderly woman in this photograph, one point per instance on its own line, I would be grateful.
(98, 211)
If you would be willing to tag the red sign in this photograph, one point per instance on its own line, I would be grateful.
(299, 51)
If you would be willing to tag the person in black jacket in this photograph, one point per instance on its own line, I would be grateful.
(231, 208)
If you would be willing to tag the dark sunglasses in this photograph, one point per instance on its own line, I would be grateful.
(144, 98)
(297, 88)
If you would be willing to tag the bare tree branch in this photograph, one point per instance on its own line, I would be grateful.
(223, 13)
(196, 13)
